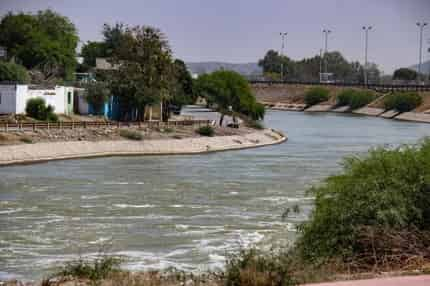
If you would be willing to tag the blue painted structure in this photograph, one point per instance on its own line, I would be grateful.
(110, 109)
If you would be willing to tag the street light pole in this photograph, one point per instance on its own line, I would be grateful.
(366, 44)
(326, 33)
(421, 27)
(283, 36)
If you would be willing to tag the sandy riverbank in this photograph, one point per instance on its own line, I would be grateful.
(41, 152)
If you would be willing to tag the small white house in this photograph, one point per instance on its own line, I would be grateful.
(14, 97)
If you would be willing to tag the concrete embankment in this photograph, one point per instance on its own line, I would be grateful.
(40, 152)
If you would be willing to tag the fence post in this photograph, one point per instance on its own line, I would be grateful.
(34, 126)
(48, 125)
(7, 127)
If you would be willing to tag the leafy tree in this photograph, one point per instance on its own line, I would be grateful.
(183, 90)
(228, 89)
(145, 68)
(405, 74)
(97, 94)
(45, 41)
(13, 72)
(92, 50)
(272, 64)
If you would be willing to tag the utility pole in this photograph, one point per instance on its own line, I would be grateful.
(421, 26)
(326, 33)
(321, 62)
(366, 44)
(283, 36)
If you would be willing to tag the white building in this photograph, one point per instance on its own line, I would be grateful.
(14, 97)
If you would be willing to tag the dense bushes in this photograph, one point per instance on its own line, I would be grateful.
(36, 108)
(402, 102)
(252, 268)
(355, 98)
(316, 95)
(206, 131)
(13, 72)
(388, 190)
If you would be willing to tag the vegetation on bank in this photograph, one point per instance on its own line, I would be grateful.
(131, 134)
(402, 101)
(373, 216)
(316, 95)
(206, 131)
(355, 98)
(11, 72)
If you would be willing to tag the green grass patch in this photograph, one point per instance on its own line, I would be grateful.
(131, 134)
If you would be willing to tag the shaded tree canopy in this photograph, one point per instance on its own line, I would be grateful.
(183, 86)
(228, 89)
(13, 72)
(308, 69)
(45, 41)
(145, 69)
(405, 74)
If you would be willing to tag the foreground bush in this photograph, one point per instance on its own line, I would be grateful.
(37, 109)
(95, 270)
(355, 98)
(387, 190)
(252, 268)
(130, 134)
(206, 131)
(316, 95)
(402, 102)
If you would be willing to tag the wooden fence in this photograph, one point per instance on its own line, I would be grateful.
(32, 126)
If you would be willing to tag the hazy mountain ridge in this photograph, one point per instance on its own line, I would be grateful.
(208, 67)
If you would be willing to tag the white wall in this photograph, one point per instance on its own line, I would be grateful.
(55, 97)
(8, 99)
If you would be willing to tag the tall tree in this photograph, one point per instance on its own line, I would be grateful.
(405, 74)
(92, 50)
(231, 93)
(145, 70)
(45, 41)
(183, 89)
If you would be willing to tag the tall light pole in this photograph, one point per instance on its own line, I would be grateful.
(283, 38)
(366, 45)
(326, 33)
(421, 27)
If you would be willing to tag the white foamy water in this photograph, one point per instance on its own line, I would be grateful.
(177, 211)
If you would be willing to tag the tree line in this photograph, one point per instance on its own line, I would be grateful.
(41, 47)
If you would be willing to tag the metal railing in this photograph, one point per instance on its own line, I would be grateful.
(382, 87)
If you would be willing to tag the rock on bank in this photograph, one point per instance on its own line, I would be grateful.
(40, 152)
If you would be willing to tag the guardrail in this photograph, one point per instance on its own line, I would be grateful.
(32, 126)
(386, 87)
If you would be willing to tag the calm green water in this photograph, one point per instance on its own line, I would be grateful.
(182, 211)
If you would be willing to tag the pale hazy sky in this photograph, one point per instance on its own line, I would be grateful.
(243, 30)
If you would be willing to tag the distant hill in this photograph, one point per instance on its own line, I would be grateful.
(425, 67)
(246, 69)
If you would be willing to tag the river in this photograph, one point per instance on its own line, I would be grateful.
(180, 211)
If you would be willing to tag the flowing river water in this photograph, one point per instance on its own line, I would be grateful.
(180, 211)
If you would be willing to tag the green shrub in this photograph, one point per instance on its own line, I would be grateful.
(13, 72)
(95, 270)
(253, 268)
(402, 102)
(316, 95)
(36, 108)
(206, 131)
(355, 98)
(389, 189)
(361, 99)
(130, 134)
(344, 98)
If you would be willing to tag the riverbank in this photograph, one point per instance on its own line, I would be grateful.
(49, 151)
